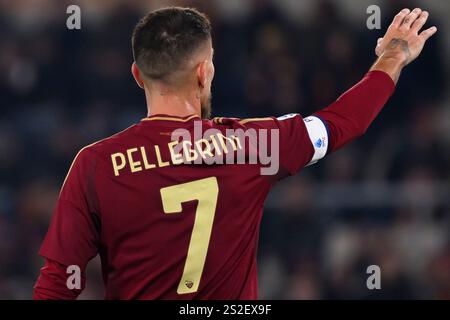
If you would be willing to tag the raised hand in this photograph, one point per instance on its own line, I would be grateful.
(404, 39)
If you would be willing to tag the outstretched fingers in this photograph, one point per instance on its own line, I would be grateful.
(410, 19)
(400, 17)
(427, 34)
(420, 22)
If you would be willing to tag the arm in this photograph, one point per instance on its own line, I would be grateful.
(351, 115)
(403, 42)
(52, 283)
(306, 141)
(73, 236)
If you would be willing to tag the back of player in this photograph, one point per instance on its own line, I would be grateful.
(175, 230)
(167, 224)
(173, 204)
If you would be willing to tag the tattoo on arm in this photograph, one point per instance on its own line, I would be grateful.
(399, 43)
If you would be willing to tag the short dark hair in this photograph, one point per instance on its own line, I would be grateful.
(164, 39)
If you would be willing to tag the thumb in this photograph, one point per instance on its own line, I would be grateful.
(378, 51)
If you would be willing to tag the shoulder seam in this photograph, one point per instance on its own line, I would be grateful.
(75, 159)
(85, 148)
(244, 121)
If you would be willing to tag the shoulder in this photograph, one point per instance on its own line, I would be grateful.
(100, 146)
(246, 122)
(93, 152)
(264, 122)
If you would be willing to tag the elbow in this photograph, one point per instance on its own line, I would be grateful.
(361, 127)
(362, 131)
(52, 283)
(357, 130)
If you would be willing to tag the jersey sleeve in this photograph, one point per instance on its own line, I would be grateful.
(52, 283)
(306, 141)
(303, 141)
(299, 141)
(353, 112)
(73, 235)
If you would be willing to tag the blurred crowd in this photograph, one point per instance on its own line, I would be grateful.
(384, 200)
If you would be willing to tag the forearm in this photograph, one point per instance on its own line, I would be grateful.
(52, 283)
(351, 114)
(393, 60)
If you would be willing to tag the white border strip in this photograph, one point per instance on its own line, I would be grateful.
(318, 134)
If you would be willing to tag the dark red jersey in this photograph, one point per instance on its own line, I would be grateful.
(169, 225)
(166, 229)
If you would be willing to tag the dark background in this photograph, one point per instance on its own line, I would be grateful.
(382, 200)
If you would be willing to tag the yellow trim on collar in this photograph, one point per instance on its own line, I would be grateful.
(244, 121)
(171, 118)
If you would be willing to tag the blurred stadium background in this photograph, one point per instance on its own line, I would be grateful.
(384, 200)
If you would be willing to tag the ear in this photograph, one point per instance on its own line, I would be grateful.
(202, 75)
(137, 75)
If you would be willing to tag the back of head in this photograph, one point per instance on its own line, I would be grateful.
(164, 40)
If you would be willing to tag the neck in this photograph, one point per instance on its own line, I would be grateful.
(173, 104)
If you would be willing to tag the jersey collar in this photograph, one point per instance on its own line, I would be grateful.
(164, 117)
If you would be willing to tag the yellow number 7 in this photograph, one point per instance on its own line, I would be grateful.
(206, 192)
